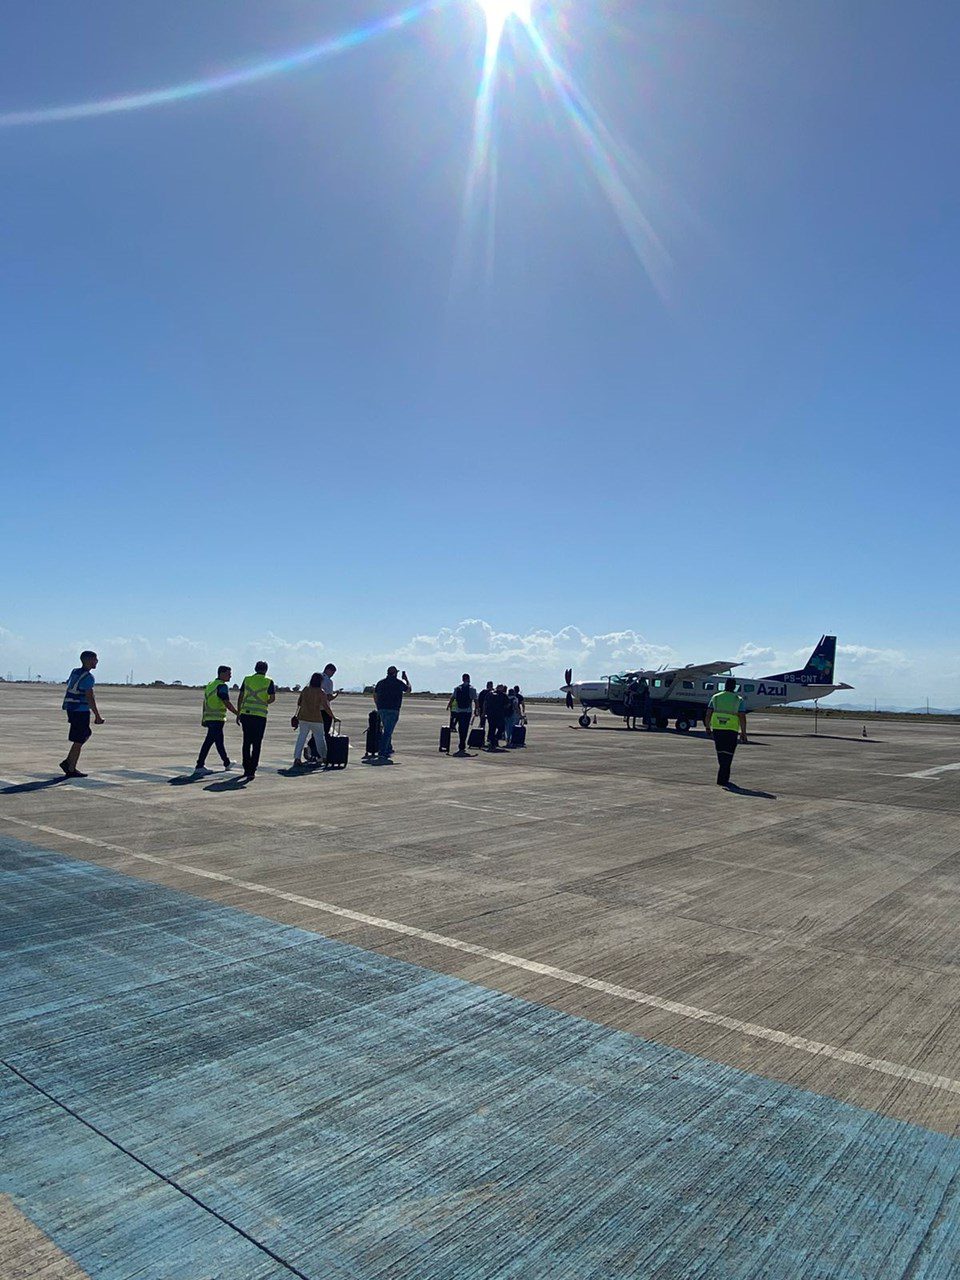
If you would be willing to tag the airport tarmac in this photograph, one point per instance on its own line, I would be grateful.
(571, 1011)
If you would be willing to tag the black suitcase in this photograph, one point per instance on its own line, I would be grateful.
(445, 739)
(520, 735)
(372, 743)
(475, 739)
(338, 748)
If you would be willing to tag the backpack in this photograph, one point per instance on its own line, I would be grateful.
(463, 697)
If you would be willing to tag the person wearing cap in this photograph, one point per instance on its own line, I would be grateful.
(388, 699)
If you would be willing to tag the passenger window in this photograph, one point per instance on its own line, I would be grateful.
(709, 686)
(688, 684)
(749, 688)
(657, 683)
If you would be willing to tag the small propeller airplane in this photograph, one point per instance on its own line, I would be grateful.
(683, 693)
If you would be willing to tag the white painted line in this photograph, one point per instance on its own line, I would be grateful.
(510, 813)
(813, 1047)
(747, 866)
(490, 808)
(930, 773)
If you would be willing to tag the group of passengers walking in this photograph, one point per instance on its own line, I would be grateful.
(499, 709)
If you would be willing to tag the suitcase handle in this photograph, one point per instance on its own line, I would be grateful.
(335, 727)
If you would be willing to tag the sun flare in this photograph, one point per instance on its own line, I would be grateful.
(499, 12)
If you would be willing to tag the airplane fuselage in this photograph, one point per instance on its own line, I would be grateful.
(684, 693)
(689, 698)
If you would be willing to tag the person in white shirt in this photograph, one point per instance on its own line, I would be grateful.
(326, 684)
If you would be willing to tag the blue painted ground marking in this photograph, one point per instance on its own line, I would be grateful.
(367, 1118)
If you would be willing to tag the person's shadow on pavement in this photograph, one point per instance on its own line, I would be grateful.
(231, 784)
(745, 791)
(20, 787)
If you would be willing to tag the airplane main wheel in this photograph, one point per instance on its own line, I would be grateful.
(683, 724)
(584, 721)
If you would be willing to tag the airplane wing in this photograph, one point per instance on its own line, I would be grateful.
(705, 669)
(694, 670)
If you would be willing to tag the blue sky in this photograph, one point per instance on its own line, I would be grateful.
(267, 386)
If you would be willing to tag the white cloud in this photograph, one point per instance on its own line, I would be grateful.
(757, 655)
(536, 658)
(186, 645)
(863, 657)
(539, 655)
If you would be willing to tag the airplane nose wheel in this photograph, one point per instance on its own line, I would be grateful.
(584, 721)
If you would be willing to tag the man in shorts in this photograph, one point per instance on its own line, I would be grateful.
(79, 704)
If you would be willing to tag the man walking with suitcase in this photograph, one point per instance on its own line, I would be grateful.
(256, 694)
(726, 719)
(462, 706)
(496, 707)
(482, 697)
(388, 699)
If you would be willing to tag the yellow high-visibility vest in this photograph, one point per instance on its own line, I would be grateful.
(213, 707)
(254, 691)
(726, 708)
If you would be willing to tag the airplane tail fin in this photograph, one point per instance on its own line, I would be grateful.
(819, 668)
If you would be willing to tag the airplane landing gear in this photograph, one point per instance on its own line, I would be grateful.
(683, 724)
(584, 721)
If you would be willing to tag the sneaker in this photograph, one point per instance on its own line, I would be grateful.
(201, 770)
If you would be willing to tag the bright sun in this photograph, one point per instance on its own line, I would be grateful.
(499, 11)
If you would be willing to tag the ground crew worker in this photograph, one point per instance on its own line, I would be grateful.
(216, 704)
(78, 703)
(256, 694)
(726, 719)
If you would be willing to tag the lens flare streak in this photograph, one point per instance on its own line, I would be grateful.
(617, 172)
(615, 169)
(291, 61)
(479, 200)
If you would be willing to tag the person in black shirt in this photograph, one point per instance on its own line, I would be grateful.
(482, 702)
(496, 707)
(388, 698)
(461, 706)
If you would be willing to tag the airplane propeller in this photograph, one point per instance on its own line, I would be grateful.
(568, 680)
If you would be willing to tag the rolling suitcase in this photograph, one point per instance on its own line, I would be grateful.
(338, 748)
(445, 739)
(475, 740)
(520, 735)
(372, 743)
